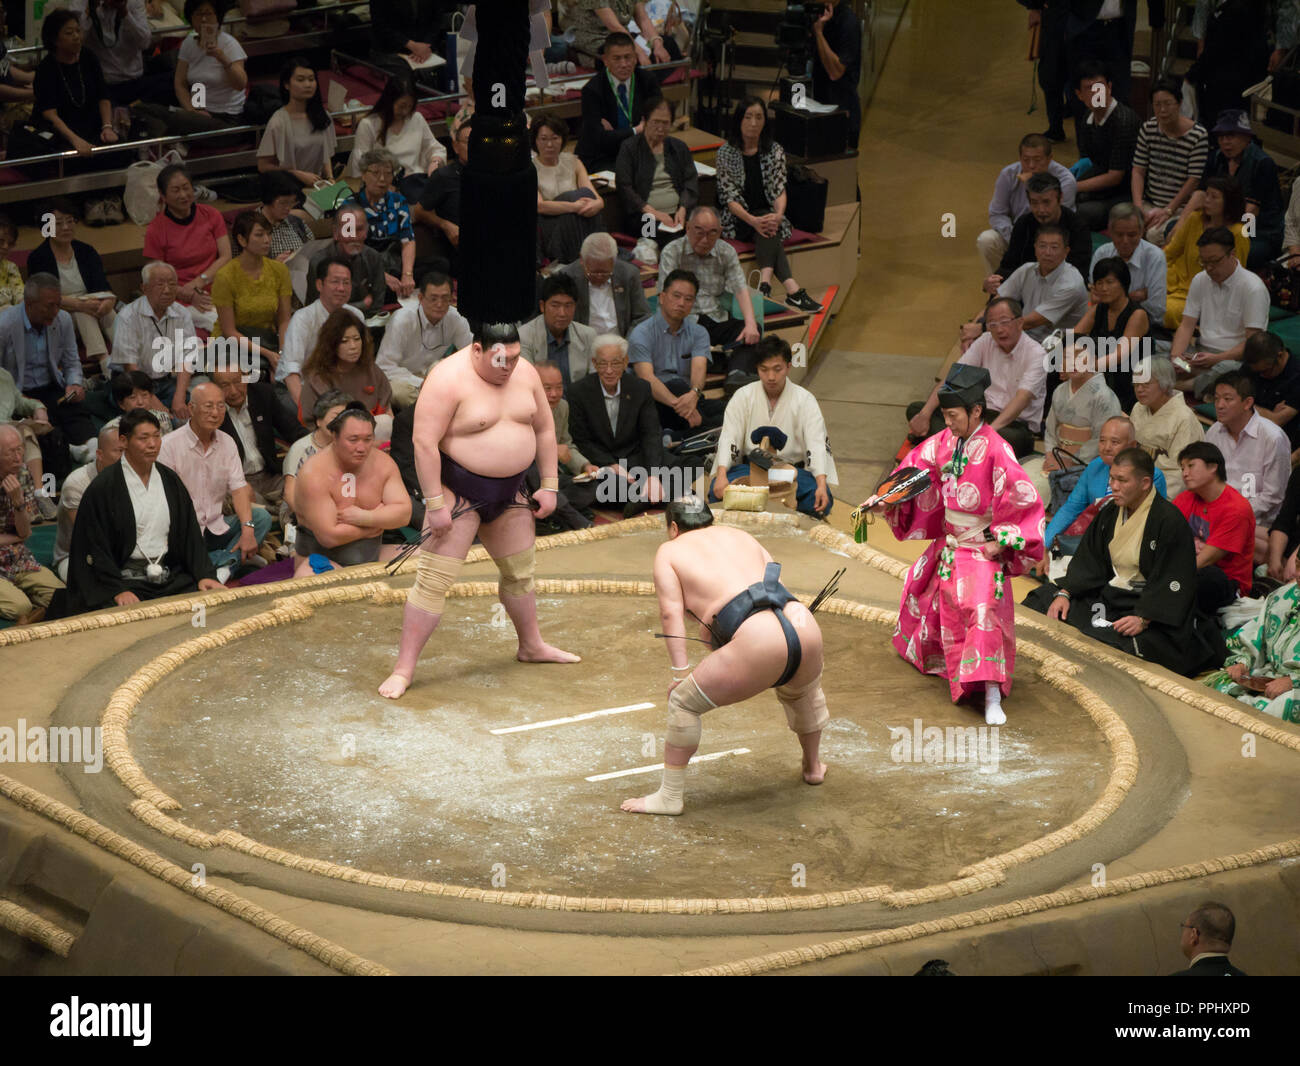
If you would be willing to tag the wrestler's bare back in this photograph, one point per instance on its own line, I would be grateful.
(713, 565)
(490, 428)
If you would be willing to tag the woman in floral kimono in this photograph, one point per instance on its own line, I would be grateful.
(957, 618)
(1263, 664)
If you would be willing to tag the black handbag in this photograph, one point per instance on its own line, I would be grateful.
(806, 193)
(1283, 282)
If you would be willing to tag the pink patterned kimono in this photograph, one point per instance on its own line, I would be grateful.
(957, 617)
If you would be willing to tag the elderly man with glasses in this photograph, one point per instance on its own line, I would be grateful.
(417, 337)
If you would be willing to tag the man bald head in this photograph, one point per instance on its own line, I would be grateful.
(207, 409)
(11, 450)
(1116, 434)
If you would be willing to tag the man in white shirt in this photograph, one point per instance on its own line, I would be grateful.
(108, 450)
(333, 280)
(1146, 263)
(154, 334)
(1051, 291)
(1226, 303)
(417, 337)
(775, 402)
(1017, 365)
(1256, 452)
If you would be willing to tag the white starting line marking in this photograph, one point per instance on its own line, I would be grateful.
(660, 766)
(572, 718)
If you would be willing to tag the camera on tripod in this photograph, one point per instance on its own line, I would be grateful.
(795, 30)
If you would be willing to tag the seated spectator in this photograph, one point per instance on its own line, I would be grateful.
(15, 86)
(611, 298)
(1238, 156)
(1045, 209)
(721, 280)
(417, 337)
(280, 195)
(593, 21)
(119, 34)
(146, 337)
(1220, 205)
(438, 212)
(207, 461)
(555, 335)
(71, 105)
(656, 179)
(347, 495)
(85, 293)
(1135, 571)
(11, 278)
(573, 496)
(108, 451)
(1107, 139)
(26, 587)
(394, 124)
(210, 85)
(344, 358)
(136, 536)
(254, 421)
(333, 281)
(1277, 382)
(1018, 368)
(1081, 406)
(1261, 670)
(300, 137)
(773, 402)
(27, 415)
(751, 186)
(1051, 290)
(1223, 526)
(614, 424)
(388, 221)
(1145, 262)
(329, 406)
(1162, 422)
(613, 103)
(1011, 200)
(1256, 452)
(1226, 303)
(252, 293)
(366, 265)
(1093, 487)
(38, 346)
(407, 30)
(1168, 161)
(191, 237)
(568, 205)
(1117, 326)
(133, 390)
(670, 352)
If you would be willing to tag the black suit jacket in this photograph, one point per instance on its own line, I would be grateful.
(269, 421)
(630, 305)
(597, 146)
(638, 438)
(1215, 966)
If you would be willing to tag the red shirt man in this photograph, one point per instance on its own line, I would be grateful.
(1222, 522)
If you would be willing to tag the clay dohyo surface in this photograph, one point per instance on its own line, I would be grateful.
(284, 739)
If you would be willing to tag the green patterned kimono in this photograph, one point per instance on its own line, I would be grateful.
(1268, 646)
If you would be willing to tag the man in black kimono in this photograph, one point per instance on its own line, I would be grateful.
(136, 536)
(1132, 583)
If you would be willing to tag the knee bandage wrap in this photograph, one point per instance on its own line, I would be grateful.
(805, 706)
(685, 706)
(433, 577)
(517, 572)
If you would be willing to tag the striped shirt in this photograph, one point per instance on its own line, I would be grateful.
(1169, 161)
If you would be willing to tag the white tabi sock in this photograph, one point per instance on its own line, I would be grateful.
(668, 800)
(993, 712)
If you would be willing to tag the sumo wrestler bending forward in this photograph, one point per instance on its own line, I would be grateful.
(480, 420)
(763, 638)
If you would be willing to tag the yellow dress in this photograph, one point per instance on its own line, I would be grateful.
(1182, 262)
